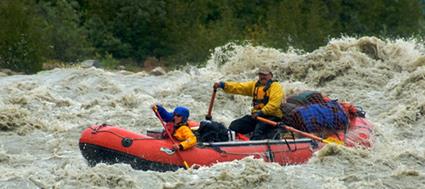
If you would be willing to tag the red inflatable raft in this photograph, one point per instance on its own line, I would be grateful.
(109, 144)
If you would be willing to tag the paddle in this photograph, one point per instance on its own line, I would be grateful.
(208, 116)
(155, 109)
(308, 135)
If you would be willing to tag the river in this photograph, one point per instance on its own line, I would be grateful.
(42, 116)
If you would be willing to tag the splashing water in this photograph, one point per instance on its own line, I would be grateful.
(42, 115)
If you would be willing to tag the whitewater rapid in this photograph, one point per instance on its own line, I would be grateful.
(42, 115)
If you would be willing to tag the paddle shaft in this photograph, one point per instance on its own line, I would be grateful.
(308, 135)
(208, 116)
(186, 165)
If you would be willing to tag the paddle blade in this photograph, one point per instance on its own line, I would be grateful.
(332, 140)
(186, 165)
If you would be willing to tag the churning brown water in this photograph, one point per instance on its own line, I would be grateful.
(42, 115)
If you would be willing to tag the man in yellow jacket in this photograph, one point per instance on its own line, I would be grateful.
(267, 95)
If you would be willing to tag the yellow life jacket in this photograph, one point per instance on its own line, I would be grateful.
(261, 94)
(185, 136)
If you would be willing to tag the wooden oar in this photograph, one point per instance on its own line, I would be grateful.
(155, 109)
(308, 135)
(208, 116)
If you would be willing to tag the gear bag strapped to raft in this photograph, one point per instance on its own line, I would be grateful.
(301, 99)
(313, 97)
(211, 131)
(318, 117)
(306, 97)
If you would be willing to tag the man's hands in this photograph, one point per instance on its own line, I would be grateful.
(219, 84)
(254, 115)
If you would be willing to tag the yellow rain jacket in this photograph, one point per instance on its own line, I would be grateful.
(275, 94)
(186, 137)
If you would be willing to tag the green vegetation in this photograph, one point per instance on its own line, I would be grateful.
(177, 32)
(22, 43)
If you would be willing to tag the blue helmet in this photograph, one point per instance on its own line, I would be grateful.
(183, 111)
